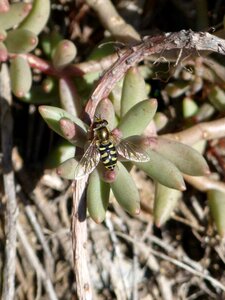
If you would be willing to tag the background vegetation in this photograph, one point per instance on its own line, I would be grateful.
(53, 53)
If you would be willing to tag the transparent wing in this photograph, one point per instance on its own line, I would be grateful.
(88, 162)
(131, 151)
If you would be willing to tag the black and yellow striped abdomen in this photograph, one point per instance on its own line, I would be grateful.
(108, 154)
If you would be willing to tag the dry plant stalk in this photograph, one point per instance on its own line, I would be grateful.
(9, 186)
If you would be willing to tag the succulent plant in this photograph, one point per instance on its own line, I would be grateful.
(167, 159)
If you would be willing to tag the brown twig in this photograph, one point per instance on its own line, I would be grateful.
(79, 241)
(202, 131)
(186, 41)
(36, 264)
(9, 186)
(177, 262)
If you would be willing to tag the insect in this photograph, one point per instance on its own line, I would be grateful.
(104, 147)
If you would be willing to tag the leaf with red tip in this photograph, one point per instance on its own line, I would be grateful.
(60, 153)
(52, 116)
(125, 191)
(21, 76)
(97, 197)
(163, 171)
(187, 159)
(138, 117)
(67, 168)
(16, 13)
(38, 17)
(216, 201)
(64, 53)
(165, 202)
(72, 132)
(3, 52)
(133, 91)
(105, 110)
(21, 41)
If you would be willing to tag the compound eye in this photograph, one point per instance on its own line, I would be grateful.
(105, 123)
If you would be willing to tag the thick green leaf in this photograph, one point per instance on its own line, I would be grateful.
(38, 17)
(37, 95)
(21, 41)
(16, 14)
(190, 108)
(115, 96)
(163, 171)
(165, 201)
(72, 132)
(3, 34)
(69, 98)
(97, 197)
(3, 52)
(62, 152)
(64, 53)
(133, 90)
(138, 117)
(67, 168)
(52, 116)
(125, 191)
(177, 89)
(187, 159)
(217, 98)
(216, 201)
(160, 120)
(105, 110)
(21, 76)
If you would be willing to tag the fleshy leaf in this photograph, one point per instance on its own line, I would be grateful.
(115, 96)
(62, 152)
(97, 197)
(21, 41)
(187, 159)
(217, 98)
(38, 96)
(165, 201)
(38, 17)
(52, 116)
(72, 132)
(21, 76)
(163, 171)
(133, 90)
(125, 191)
(216, 201)
(3, 52)
(190, 108)
(64, 53)
(105, 110)
(204, 112)
(138, 117)
(3, 35)
(17, 12)
(160, 120)
(67, 168)
(177, 89)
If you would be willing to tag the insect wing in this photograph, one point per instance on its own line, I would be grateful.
(88, 162)
(131, 151)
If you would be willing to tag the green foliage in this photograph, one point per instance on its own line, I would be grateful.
(166, 160)
(216, 201)
(21, 76)
(128, 111)
(14, 38)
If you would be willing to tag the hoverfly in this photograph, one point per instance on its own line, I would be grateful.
(104, 147)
